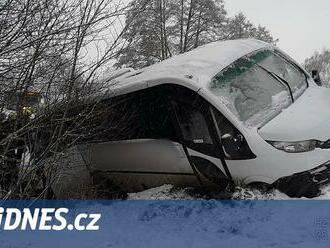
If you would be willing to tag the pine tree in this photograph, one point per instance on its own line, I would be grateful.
(163, 28)
(240, 27)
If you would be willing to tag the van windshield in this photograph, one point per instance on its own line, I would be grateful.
(257, 87)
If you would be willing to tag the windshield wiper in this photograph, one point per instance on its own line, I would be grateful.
(278, 78)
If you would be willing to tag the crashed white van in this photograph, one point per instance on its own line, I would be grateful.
(237, 111)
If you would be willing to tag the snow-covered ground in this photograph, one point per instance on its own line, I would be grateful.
(168, 192)
(194, 224)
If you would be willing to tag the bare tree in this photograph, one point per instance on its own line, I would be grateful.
(320, 62)
(56, 49)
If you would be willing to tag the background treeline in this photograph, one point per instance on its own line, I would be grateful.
(170, 27)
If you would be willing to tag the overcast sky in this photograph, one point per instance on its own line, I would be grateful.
(302, 26)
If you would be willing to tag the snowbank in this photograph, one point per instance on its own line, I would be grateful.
(168, 192)
(165, 192)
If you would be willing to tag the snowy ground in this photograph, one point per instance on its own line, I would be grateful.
(168, 192)
(192, 223)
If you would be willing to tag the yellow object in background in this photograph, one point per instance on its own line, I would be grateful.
(27, 111)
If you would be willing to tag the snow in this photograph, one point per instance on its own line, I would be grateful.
(314, 103)
(206, 60)
(111, 75)
(199, 66)
(165, 192)
(280, 101)
(325, 194)
(254, 194)
(168, 192)
(250, 101)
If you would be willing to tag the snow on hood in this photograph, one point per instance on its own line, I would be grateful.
(307, 118)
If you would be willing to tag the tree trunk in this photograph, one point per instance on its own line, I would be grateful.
(181, 26)
(198, 32)
(188, 25)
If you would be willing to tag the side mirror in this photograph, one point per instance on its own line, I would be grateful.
(316, 77)
(236, 147)
(236, 138)
(232, 143)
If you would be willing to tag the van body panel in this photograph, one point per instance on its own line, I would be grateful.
(306, 119)
(273, 164)
(141, 164)
(141, 156)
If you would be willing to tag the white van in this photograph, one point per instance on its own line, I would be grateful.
(237, 111)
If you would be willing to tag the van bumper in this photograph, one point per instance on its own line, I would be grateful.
(305, 184)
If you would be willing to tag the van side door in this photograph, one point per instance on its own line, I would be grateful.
(200, 139)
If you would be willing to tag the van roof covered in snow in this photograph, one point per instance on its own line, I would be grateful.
(196, 67)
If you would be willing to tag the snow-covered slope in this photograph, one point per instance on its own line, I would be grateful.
(165, 192)
(168, 192)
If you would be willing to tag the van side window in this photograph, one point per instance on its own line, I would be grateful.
(233, 142)
(193, 124)
(154, 117)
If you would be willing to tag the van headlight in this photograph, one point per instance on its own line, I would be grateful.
(295, 147)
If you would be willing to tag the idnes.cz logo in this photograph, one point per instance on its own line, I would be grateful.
(46, 219)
